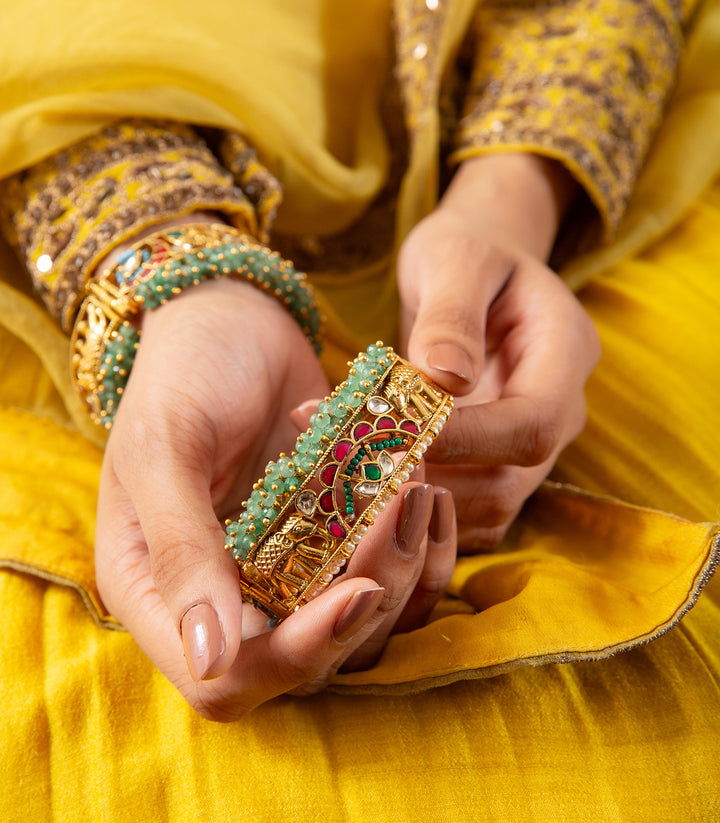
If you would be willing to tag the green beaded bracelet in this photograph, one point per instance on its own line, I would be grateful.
(150, 273)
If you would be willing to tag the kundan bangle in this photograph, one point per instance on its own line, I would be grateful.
(305, 517)
(104, 338)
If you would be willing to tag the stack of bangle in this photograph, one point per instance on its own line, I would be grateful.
(104, 337)
(305, 517)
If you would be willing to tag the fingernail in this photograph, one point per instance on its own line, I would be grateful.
(353, 617)
(413, 521)
(300, 415)
(442, 520)
(450, 358)
(202, 639)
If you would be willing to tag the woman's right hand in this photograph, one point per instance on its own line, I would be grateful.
(218, 371)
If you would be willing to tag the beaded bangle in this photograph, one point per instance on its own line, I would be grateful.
(104, 339)
(305, 517)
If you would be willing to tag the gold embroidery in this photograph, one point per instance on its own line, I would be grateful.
(418, 31)
(583, 81)
(65, 213)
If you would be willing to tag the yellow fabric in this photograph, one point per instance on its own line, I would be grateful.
(684, 158)
(91, 731)
(281, 70)
(541, 83)
(75, 207)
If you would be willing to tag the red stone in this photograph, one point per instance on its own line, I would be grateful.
(326, 502)
(386, 423)
(335, 528)
(409, 426)
(342, 449)
(327, 475)
(361, 430)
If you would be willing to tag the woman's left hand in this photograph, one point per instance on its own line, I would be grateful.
(486, 318)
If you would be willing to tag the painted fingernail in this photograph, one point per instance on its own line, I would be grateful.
(414, 518)
(202, 639)
(358, 611)
(452, 359)
(442, 520)
(300, 415)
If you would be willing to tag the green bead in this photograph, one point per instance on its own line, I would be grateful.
(286, 467)
(364, 370)
(242, 547)
(255, 508)
(273, 474)
(305, 462)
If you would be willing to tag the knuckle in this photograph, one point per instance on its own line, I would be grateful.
(539, 438)
(477, 539)
(171, 568)
(457, 440)
(393, 599)
(464, 318)
(495, 502)
(219, 707)
(137, 444)
(290, 671)
(431, 586)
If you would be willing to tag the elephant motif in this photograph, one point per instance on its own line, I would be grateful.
(406, 389)
(293, 554)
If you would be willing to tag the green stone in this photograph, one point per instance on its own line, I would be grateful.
(315, 437)
(372, 471)
(242, 547)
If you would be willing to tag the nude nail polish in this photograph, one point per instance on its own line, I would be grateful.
(202, 639)
(442, 520)
(414, 518)
(358, 611)
(450, 358)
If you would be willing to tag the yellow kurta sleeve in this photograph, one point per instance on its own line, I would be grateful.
(582, 81)
(66, 212)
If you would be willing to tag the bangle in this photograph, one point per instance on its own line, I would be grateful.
(104, 338)
(305, 517)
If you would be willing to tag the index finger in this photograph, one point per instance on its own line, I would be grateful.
(519, 431)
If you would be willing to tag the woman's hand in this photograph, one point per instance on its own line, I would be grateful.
(489, 321)
(207, 405)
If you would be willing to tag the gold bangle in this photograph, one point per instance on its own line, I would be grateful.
(150, 273)
(306, 516)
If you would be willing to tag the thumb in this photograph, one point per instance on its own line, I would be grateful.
(447, 283)
(194, 578)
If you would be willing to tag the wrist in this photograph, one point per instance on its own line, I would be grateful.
(156, 269)
(520, 198)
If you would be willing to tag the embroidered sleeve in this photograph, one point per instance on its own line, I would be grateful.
(68, 211)
(582, 81)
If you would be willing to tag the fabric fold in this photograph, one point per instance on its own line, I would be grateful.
(581, 577)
